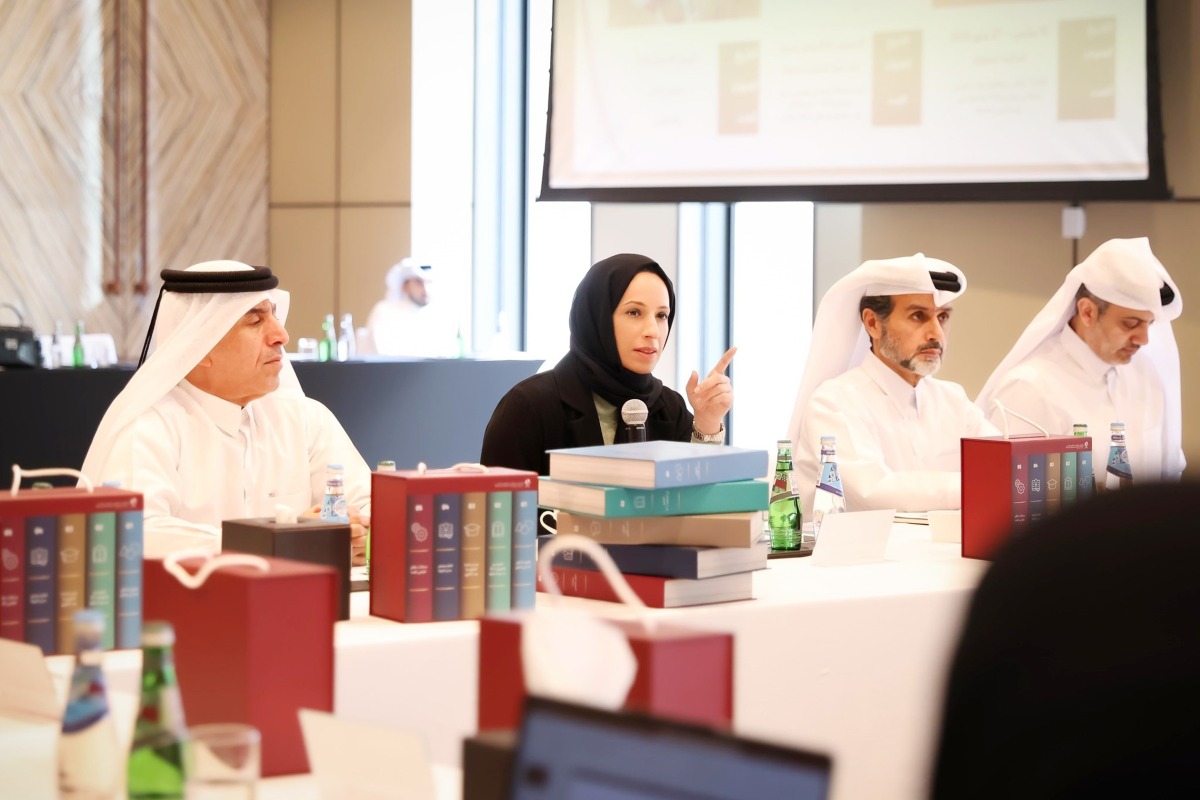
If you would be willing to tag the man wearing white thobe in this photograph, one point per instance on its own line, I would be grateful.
(1101, 351)
(404, 322)
(213, 425)
(879, 336)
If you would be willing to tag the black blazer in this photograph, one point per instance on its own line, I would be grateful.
(552, 410)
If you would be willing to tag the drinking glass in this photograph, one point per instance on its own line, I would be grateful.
(221, 761)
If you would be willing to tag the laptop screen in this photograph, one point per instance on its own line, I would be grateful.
(570, 752)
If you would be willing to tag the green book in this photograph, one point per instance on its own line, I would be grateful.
(499, 551)
(612, 501)
(102, 570)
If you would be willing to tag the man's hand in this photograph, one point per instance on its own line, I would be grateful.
(712, 397)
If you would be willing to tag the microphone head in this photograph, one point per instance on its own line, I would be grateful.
(634, 412)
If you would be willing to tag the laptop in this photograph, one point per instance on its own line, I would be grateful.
(567, 751)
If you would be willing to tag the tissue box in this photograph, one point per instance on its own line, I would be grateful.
(1010, 484)
(682, 673)
(313, 541)
(253, 647)
(487, 760)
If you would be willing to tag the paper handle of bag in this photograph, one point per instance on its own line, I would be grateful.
(212, 564)
(462, 466)
(594, 551)
(19, 473)
(1005, 412)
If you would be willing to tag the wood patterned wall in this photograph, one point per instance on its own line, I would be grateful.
(133, 137)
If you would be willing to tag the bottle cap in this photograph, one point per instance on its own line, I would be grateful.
(784, 443)
(337, 467)
(828, 438)
(1118, 426)
(386, 466)
(158, 633)
(89, 620)
(1081, 429)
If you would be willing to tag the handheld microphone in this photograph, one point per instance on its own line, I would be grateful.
(634, 413)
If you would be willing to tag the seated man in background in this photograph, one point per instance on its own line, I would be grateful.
(405, 322)
(1101, 351)
(879, 336)
(214, 425)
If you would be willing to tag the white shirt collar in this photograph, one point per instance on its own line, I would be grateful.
(901, 392)
(225, 415)
(1079, 352)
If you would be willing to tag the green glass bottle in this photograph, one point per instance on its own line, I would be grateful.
(156, 757)
(783, 513)
(327, 346)
(78, 356)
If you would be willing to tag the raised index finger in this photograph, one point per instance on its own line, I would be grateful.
(723, 364)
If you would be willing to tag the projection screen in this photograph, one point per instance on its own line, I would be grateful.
(673, 100)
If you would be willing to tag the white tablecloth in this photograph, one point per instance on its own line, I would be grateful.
(846, 660)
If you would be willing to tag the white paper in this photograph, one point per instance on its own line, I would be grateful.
(29, 723)
(853, 537)
(368, 762)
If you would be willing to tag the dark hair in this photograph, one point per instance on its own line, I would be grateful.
(881, 304)
(1101, 305)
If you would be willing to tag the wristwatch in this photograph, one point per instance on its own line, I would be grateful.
(709, 438)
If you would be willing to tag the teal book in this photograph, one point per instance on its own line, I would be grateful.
(612, 501)
(498, 592)
(658, 464)
(102, 570)
(129, 580)
(524, 549)
(1068, 478)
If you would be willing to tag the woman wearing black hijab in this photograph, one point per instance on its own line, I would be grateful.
(620, 319)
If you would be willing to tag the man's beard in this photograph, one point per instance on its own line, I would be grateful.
(924, 367)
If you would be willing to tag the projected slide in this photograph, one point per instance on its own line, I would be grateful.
(649, 93)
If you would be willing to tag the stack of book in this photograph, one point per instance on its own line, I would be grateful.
(682, 521)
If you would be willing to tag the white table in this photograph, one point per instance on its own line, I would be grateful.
(846, 660)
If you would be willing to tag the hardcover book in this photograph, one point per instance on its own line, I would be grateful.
(129, 579)
(614, 501)
(657, 464)
(12, 578)
(41, 582)
(72, 576)
(447, 521)
(673, 561)
(472, 598)
(102, 569)
(499, 551)
(390, 492)
(524, 549)
(656, 591)
(741, 530)
(420, 558)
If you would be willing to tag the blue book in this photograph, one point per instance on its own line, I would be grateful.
(498, 591)
(41, 582)
(673, 561)
(447, 527)
(614, 501)
(657, 465)
(129, 580)
(524, 549)
(1085, 478)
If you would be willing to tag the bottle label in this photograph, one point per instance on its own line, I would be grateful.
(334, 508)
(782, 488)
(831, 480)
(1118, 462)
